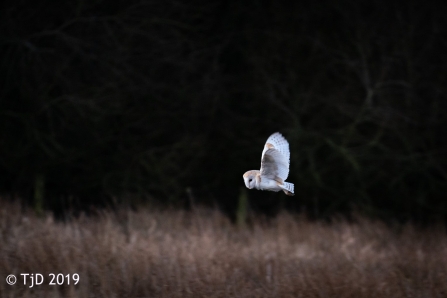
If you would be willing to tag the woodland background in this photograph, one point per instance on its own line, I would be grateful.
(168, 103)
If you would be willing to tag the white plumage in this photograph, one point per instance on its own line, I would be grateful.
(274, 170)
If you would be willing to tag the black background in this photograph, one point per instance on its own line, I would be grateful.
(168, 102)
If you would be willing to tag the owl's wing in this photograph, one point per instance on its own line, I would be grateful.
(274, 165)
(278, 142)
(275, 158)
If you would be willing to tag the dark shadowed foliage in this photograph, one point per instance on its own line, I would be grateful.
(168, 102)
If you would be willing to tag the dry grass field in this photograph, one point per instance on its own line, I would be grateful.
(201, 254)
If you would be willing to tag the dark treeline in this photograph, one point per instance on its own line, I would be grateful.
(168, 102)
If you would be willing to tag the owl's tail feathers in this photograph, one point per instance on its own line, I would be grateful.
(288, 188)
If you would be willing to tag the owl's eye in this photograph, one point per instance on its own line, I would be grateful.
(249, 180)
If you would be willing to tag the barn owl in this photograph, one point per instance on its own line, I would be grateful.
(274, 167)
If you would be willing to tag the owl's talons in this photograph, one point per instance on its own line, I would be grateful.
(289, 193)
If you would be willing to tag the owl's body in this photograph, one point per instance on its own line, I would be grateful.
(274, 170)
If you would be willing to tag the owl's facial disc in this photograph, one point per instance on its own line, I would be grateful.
(249, 180)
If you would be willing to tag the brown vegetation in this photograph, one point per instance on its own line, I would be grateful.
(201, 254)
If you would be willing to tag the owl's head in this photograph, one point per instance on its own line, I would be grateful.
(250, 179)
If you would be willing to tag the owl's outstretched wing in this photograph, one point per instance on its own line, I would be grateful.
(274, 165)
(275, 158)
(278, 142)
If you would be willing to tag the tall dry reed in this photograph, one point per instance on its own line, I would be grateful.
(201, 254)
